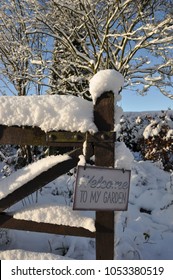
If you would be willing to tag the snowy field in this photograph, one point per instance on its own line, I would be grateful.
(144, 231)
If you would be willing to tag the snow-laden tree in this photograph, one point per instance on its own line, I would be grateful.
(134, 37)
(63, 43)
(20, 53)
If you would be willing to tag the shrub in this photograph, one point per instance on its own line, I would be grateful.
(151, 134)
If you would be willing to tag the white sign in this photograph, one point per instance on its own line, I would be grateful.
(100, 188)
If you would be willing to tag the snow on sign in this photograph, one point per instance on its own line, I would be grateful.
(100, 188)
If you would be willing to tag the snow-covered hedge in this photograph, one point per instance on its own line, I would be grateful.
(150, 133)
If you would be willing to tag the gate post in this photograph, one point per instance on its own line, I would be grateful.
(104, 156)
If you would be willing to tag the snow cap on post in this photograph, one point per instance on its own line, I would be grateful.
(104, 81)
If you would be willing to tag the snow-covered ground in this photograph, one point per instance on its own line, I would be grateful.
(145, 231)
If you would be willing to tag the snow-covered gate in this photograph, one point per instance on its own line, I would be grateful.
(101, 144)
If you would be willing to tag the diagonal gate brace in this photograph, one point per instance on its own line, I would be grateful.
(40, 180)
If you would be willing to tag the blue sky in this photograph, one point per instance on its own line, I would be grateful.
(153, 101)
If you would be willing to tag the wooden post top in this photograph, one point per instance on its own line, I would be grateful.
(104, 112)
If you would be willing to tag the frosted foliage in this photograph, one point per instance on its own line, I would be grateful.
(104, 81)
(147, 124)
(48, 112)
(155, 126)
(149, 135)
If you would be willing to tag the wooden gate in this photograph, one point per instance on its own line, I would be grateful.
(101, 144)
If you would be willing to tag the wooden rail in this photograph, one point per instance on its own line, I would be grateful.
(37, 137)
(7, 221)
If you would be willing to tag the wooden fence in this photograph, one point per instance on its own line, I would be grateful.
(101, 144)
